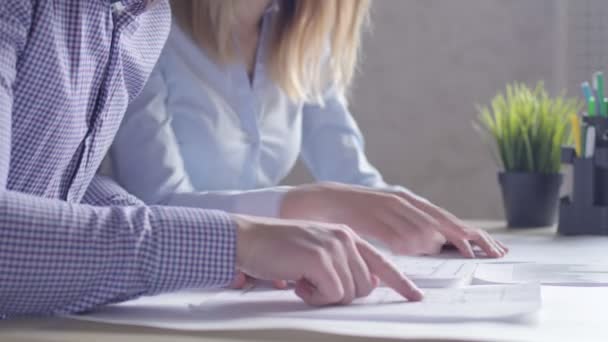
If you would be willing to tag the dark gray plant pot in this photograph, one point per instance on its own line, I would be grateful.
(530, 199)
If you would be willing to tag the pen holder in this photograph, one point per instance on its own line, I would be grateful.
(585, 211)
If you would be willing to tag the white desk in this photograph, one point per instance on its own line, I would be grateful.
(569, 314)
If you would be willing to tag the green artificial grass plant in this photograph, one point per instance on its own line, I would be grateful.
(527, 128)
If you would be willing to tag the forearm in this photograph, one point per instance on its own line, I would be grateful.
(262, 202)
(59, 258)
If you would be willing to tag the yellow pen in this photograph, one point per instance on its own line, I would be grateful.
(576, 132)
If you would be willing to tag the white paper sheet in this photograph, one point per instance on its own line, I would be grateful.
(555, 249)
(182, 310)
(547, 274)
(436, 273)
(550, 249)
(568, 314)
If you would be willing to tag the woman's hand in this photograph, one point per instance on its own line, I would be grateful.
(407, 224)
(329, 263)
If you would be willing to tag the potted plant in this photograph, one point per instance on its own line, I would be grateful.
(526, 129)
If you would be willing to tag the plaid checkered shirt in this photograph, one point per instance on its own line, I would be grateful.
(71, 241)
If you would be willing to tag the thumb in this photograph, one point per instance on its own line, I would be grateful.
(239, 281)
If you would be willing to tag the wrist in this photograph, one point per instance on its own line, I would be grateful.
(295, 204)
(307, 202)
(244, 226)
(261, 202)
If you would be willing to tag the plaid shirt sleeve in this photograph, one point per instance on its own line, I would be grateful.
(57, 257)
(104, 191)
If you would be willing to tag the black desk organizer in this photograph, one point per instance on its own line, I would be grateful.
(585, 212)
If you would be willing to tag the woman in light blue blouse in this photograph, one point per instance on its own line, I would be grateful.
(244, 88)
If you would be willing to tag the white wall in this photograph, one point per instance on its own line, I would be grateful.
(427, 63)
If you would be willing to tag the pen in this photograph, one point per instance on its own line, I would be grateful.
(592, 106)
(576, 133)
(599, 88)
(587, 92)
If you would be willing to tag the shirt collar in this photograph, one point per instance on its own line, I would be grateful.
(127, 3)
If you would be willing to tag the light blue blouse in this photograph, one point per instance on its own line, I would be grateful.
(204, 135)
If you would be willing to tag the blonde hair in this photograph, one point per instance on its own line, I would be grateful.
(303, 31)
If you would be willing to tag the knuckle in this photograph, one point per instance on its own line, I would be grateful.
(433, 238)
(402, 194)
(333, 246)
(342, 234)
(471, 234)
(460, 242)
(431, 218)
(346, 228)
(435, 247)
(439, 238)
(441, 242)
(394, 200)
(318, 255)
(410, 198)
(466, 231)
